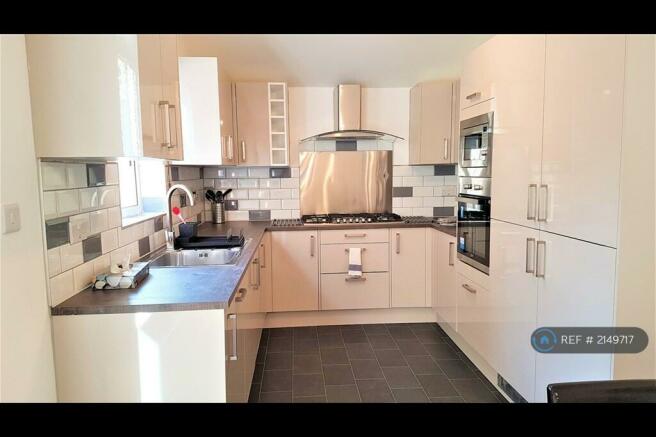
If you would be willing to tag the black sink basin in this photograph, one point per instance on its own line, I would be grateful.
(214, 242)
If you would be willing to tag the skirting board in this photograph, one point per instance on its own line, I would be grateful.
(349, 317)
(482, 365)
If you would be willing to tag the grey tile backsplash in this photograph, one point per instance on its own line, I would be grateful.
(424, 190)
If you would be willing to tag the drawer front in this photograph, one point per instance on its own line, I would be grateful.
(350, 236)
(339, 294)
(375, 257)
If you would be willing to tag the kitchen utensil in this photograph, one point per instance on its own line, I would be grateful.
(219, 196)
(225, 194)
(218, 212)
(209, 195)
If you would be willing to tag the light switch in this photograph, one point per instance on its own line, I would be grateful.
(11, 221)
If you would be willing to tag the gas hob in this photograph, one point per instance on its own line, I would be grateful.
(364, 218)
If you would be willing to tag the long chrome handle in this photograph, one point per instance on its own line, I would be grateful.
(446, 148)
(233, 356)
(243, 151)
(398, 242)
(362, 249)
(530, 266)
(543, 207)
(224, 153)
(531, 201)
(540, 260)
(231, 148)
(473, 95)
(362, 235)
(311, 245)
(166, 123)
(173, 135)
(255, 269)
(469, 288)
(355, 279)
(263, 256)
(242, 295)
(451, 246)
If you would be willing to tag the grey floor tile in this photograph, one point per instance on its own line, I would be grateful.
(308, 385)
(310, 400)
(342, 394)
(280, 332)
(334, 356)
(278, 361)
(441, 351)
(366, 369)
(276, 397)
(429, 337)
(374, 390)
(254, 395)
(338, 374)
(261, 356)
(375, 329)
(257, 374)
(411, 348)
(400, 377)
(328, 330)
(330, 341)
(384, 341)
(447, 400)
(280, 344)
(424, 365)
(306, 346)
(354, 327)
(473, 390)
(355, 336)
(276, 380)
(305, 332)
(401, 333)
(437, 385)
(423, 326)
(358, 351)
(410, 395)
(456, 369)
(307, 364)
(390, 358)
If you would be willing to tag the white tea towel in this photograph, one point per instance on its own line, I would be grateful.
(355, 262)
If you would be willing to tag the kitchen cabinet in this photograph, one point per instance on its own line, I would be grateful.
(234, 368)
(517, 138)
(295, 270)
(408, 261)
(266, 288)
(583, 106)
(340, 292)
(431, 123)
(445, 292)
(159, 97)
(84, 93)
(227, 114)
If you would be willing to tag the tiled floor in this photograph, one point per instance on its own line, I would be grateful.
(414, 362)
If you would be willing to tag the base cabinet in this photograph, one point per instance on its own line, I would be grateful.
(408, 247)
(295, 270)
(445, 287)
(339, 292)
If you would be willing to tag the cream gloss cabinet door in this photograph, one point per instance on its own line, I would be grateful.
(576, 287)
(171, 94)
(253, 145)
(265, 274)
(227, 112)
(414, 140)
(408, 252)
(436, 113)
(295, 270)
(234, 367)
(514, 290)
(584, 88)
(445, 300)
(517, 138)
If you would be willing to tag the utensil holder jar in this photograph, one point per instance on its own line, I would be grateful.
(218, 213)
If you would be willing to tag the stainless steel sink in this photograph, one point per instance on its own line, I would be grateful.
(198, 257)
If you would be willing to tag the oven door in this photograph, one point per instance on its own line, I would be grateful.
(474, 232)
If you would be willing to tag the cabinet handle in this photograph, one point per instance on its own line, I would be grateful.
(173, 135)
(398, 242)
(355, 279)
(242, 295)
(243, 151)
(263, 255)
(166, 123)
(355, 235)
(473, 95)
(233, 356)
(530, 266)
(446, 149)
(542, 215)
(224, 153)
(469, 288)
(231, 148)
(451, 245)
(362, 249)
(311, 245)
(540, 260)
(530, 203)
(256, 270)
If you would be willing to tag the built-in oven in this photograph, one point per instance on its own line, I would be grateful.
(475, 153)
(473, 223)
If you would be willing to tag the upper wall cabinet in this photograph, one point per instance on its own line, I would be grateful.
(160, 99)
(431, 123)
(261, 120)
(85, 95)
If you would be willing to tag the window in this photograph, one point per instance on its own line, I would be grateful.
(143, 188)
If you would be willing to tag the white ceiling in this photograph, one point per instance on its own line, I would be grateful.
(326, 60)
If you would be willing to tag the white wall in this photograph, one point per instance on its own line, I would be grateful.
(26, 366)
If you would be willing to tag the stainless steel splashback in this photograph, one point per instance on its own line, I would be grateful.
(346, 182)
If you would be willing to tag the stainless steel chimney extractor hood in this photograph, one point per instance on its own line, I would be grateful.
(347, 119)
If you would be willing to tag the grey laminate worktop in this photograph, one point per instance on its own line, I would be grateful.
(197, 287)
